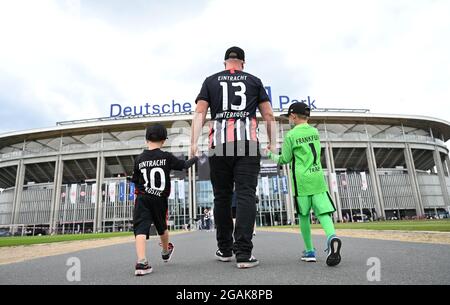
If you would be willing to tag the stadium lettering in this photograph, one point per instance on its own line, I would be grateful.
(117, 110)
(285, 101)
(281, 102)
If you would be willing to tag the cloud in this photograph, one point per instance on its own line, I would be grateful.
(72, 59)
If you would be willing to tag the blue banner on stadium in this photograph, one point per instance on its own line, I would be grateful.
(284, 186)
(275, 184)
(122, 191)
(131, 194)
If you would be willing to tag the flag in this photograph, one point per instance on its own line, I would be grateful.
(131, 193)
(364, 181)
(73, 193)
(172, 190)
(344, 180)
(122, 191)
(284, 185)
(333, 182)
(181, 193)
(94, 193)
(112, 192)
(265, 186)
(275, 184)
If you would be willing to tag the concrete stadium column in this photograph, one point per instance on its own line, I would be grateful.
(56, 193)
(444, 162)
(414, 182)
(441, 175)
(191, 194)
(290, 199)
(291, 196)
(447, 160)
(17, 199)
(290, 209)
(280, 199)
(372, 162)
(194, 192)
(329, 158)
(99, 176)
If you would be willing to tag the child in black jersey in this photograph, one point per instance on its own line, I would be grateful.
(151, 177)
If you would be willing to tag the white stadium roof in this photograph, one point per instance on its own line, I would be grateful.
(440, 127)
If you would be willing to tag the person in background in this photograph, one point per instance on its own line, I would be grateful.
(207, 219)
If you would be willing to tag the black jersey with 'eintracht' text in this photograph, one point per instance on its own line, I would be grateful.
(151, 174)
(233, 98)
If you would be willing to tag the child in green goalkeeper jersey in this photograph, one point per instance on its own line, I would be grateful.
(301, 146)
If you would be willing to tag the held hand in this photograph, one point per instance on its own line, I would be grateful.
(194, 151)
(267, 149)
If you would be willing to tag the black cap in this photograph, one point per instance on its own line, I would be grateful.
(298, 108)
(156, 133)
(235, 52)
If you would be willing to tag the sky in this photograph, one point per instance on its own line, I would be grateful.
(71, 59)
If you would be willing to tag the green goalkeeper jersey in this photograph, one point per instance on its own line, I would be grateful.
(302, 146)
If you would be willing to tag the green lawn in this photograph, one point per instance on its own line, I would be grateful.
(30, 240)
(404, 225)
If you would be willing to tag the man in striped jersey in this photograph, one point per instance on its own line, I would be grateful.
(234, 157)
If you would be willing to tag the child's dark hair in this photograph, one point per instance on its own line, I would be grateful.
(156, 133)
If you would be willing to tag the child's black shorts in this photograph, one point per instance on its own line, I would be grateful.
(150, 209)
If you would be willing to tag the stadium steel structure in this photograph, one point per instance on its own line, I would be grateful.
(71, 178)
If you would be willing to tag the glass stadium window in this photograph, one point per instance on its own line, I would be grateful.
(385, 132)
(124, 139)
(417, 134)
(36, 147)
(10, 149)
(346, 131)
(81, 142)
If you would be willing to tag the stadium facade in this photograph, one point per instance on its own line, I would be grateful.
(72, 177)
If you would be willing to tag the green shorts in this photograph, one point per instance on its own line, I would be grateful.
(320, 203)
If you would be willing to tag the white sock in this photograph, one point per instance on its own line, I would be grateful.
(142, 261)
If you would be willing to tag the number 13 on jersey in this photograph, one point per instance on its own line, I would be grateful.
(240, 93)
